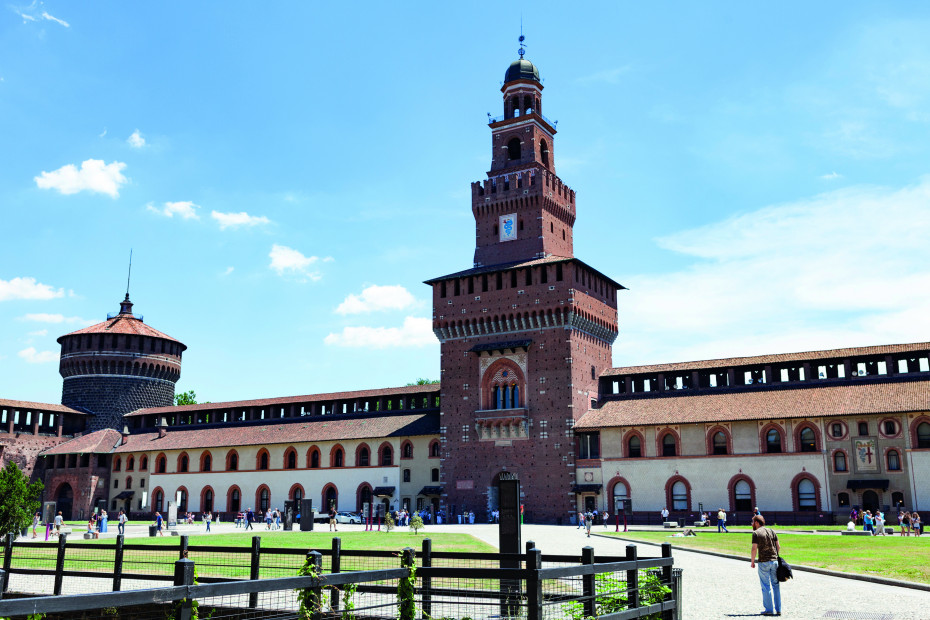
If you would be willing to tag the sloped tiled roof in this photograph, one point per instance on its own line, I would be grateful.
(551, 259)
(760, 404)
(319, 428)
(287, 400)
(123, 324)
(98, 442)
(31, 406)
(775, 358)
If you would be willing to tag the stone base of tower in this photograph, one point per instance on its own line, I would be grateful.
(109, 397)
(545, 481)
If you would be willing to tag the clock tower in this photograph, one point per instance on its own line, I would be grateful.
(526, 331)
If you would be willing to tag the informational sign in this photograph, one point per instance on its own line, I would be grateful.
(145, 499)
(466, 485)
(172, 514)
(48, 512)
(866, 455)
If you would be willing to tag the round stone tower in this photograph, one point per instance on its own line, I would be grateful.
(118, 366)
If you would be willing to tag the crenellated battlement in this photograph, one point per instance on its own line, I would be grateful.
(521, 182)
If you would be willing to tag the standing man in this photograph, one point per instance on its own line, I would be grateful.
(332, 518)
(208, 518)
(59, 521)
(722, 520)
(588, 521)
(121, 523)
(665, 514)
(765, 545)
(249, 515)
(158, 523)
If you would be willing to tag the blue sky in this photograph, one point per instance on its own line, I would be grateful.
(288, 175)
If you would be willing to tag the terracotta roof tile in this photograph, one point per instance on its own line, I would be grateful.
(551, 259)
(123, 324)
(320, 428)
(27, 404)
(98, 442)
(761, 404)
(287, 400)
(769, 359)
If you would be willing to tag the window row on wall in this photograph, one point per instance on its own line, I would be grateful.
(120, 342)
(772, 440)
(741, 491)
(891, 459)
(290, 459)
(261, 499)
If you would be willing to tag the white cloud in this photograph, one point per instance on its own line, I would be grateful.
(415, 332)
(288, 260)
(135, 140)
(235, 220)
(38, 357)
(43, 317)
(228, 271)
(52, 18)
(832, 176)
(846, 268)
(103, 133)
(184, 209)
(38, 333)
(94, 176)
(376, 299)
(27, 288)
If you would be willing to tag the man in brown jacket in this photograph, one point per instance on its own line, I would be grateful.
(765, 547)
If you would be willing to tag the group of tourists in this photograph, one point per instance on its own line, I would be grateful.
(587, 519)
(874, 522)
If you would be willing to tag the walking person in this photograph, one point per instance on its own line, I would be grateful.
(36, 519)
(665, 514)
(208, 518)
(588, 520)
(249, 515)
(916, 524)
(722, 521)
(606, 516)
(121, 523)
(765, 546)
(59, 521)
(158, 523)
(332, 519)
(580, 520)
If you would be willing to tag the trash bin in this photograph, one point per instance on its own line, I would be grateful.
(681, 522)
(152, 530)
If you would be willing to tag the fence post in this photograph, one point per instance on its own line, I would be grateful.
(316, 560)
(7, 560)
(406, 592)
(183, 549)
(632, 579)
(2, 580)
(534, 594)
(60, 563)
(335, 567)
(118, 563)
(668, 614)
(254, 568)
(587, 582)
(426, 583)
(184, 576)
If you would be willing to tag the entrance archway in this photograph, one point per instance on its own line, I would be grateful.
(870, 501)
(64, 501)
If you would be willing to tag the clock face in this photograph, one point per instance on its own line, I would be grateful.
(508, 227)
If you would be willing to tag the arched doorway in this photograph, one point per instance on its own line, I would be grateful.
(331, 499)
(64, 500)
(870, 501)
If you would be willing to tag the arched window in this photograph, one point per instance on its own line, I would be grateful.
(634, 447)
(498, 400)
(679, 496)
(669, 445)
(434, 450)
(364, 457)
(807, 495)
(513, 149)
(514, 396)
(161, 464)
(183, 463)
(298, 495)
(206, 462)
(839, 461)
(894, 460)
(117, 464)
(773, 442)
(544, 153)
(742, 496)
(720, 443)
(314, 458)
(232, 461)
(808, 439)
(338, 457)
(923, 435)
(330, 497)
(129, 482)
(143, 463)
(264, 499)
(235, 500)
(206, 504)
(290, 459)
(182, 505)
(407, 450)
(158, 500)
(387, 456)
(263, 460)
(502, 385)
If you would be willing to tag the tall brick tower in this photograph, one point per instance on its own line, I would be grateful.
(525, 332)
(118, 366)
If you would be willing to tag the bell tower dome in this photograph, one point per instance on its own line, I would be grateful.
(522, 211)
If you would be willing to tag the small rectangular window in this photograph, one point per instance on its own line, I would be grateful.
(836, 429)
(890, 427)
(863, 429)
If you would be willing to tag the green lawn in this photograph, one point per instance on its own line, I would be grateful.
(895, 557)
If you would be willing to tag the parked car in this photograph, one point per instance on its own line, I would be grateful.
(348, 517)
